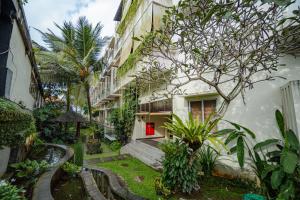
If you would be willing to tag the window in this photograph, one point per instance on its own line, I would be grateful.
(202, 109)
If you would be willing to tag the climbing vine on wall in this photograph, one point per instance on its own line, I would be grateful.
(123, 117)
(137, 54)
(129, 16)
(16, 123)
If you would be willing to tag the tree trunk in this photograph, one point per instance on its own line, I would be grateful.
(68, 103)
(87, 89)
(78, 130)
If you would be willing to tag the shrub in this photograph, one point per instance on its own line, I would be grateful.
(99, 132)
(93, 146)
(115, 146)
(207, 159)
(71, 169)
(30, 169)
(275, 161)
(180, 167)
(10, 192)
(15, 123)
(161, 189)
(78, 154)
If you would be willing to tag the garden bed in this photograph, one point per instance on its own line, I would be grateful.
(140, 179)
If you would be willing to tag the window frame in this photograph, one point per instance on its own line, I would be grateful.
(201, 100)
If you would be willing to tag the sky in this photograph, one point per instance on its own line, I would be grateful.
(41, 14)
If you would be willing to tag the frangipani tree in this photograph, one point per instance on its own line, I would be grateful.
(228, 45)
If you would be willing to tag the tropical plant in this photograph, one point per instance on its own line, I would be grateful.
(275, 161)
(123, 118)
(161, 189)
(78, 154)
(54, 68)
(16, 123)
(93, 146)
(207, 158)
(30, 169)
(81, 45)
(71, 169)
(180, 169)
(194, 132)
(10, 192)
(115, 146)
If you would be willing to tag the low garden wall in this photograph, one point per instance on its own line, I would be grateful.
(42, 188)
(109, 185)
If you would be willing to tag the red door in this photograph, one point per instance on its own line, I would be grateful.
(149, 128)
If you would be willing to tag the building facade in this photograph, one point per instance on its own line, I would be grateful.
(256, 113)
(19, 77)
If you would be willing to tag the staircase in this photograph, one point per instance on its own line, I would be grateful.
(146, 153)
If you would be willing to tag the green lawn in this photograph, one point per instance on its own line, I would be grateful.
(107, 152)
(129, 170)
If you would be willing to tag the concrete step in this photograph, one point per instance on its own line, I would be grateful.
(149, 155)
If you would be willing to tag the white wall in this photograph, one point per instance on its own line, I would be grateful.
(18, 62)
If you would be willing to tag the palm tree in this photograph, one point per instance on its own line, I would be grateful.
(81, 45)
(55, 69)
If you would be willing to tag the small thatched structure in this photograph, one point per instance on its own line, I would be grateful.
(71, 116)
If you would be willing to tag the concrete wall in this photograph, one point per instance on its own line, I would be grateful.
(4, 157)
(18, 62)
(139, 130)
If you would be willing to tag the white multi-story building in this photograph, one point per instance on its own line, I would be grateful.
(199, 99)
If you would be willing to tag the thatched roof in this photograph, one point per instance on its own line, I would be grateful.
(70, 116)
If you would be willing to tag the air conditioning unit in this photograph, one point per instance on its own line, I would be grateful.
(290, 94)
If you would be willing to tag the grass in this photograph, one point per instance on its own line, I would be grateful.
(107, 152)
(131, 168)
(217, 188)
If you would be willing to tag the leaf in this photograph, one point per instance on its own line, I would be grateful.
(240, 151)
(251, 133)
(276, 178)
(231, 137)
(238, 127)
(267, 170)
(265, 143)
(292, 140)
(289, 161)
(223, 132)
(280, 122)
(136, 39)
(233, 150)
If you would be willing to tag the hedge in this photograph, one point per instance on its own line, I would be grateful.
(15, 123)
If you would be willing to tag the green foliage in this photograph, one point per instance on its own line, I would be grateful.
(115, 146)
(10, 192)
(207, 159)
(93, 146)
(71, 169)
(136, 55)
(180, 167)
(123, 117)
(78, 153)
(161, 189)
(129, 16)
(194, 132)
(15, 123)
(30, 169)
(276, 162)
